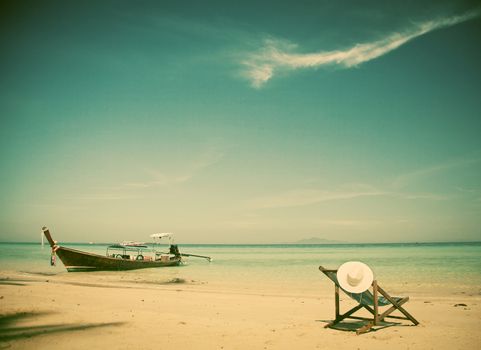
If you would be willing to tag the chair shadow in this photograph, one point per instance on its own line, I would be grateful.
(354, 325)
(10, 331)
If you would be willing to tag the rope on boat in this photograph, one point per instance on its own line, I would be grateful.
(53, 259)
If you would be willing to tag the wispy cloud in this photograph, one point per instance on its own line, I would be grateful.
(155, 179)
(279, 55)
(104, 197)
(303, 197)
(405, 179)
(394, 188)
(159, 178)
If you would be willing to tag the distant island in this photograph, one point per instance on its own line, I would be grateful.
(316, 240)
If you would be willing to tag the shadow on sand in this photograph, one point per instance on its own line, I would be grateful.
(10, 330)
(11, 283)
(352, 326)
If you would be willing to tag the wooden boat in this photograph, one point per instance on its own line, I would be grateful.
(118, 257)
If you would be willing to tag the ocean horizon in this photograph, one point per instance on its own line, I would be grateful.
(263, 244)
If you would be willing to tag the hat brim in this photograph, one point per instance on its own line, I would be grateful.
(343, 271)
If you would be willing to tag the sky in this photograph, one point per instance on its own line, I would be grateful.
(240, 122)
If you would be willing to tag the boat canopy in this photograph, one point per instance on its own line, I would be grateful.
(160, 235)
(128, 248)
(133, 244)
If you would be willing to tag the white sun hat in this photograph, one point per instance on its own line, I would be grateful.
(354, 276)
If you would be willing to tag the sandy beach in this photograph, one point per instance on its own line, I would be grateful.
(247, 143)
(67, 311)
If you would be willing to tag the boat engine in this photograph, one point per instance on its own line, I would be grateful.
(174, 249)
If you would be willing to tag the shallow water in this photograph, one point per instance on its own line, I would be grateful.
(418, 268)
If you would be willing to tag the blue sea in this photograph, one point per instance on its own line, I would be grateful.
(408, 268)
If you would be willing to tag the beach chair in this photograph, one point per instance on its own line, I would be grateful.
(371, 301)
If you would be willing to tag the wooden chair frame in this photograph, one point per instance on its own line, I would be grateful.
(377, 318)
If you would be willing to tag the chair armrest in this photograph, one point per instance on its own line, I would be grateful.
(323, 269)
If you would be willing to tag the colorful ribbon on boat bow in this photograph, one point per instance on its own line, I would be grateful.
(53, 257)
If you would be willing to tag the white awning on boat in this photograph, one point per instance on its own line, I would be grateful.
(133, 244)
(160, 235)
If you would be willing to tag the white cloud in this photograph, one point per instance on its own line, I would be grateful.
(278, 55)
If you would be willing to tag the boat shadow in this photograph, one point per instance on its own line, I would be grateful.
(11, 330)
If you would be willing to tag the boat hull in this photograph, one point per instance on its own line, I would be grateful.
(78, 261)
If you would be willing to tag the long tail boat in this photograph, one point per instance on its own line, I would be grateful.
(127, 256)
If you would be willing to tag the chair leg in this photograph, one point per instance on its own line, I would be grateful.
(336, 297)
(392, 308)
(396, 305)
(376, 306)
